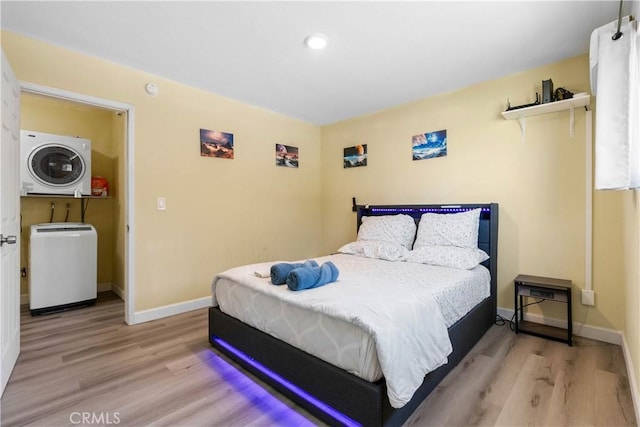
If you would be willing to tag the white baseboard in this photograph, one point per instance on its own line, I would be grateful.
(633, 384)
(170, 310)
(118, 291)
(597, 333)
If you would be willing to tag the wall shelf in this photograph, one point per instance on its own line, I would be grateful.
(84, 200)
(579, 100)
(64, 196)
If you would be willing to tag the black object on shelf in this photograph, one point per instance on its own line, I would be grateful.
(547, 91)
(562, 93)
(548, 96)
(517, 107)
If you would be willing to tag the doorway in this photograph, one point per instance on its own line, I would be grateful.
(121, 231)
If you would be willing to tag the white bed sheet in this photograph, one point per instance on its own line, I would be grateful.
(337, 341)
(342, 344)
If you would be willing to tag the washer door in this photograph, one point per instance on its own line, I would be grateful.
(56, 165)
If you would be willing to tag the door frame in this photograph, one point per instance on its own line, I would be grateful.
(129, 244)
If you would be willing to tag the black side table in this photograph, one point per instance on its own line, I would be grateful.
(546, 288)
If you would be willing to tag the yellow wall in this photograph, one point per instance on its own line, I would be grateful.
(539, 183)
(220, 213)
(49, 115)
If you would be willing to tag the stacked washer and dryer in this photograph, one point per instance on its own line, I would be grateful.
(62, 256)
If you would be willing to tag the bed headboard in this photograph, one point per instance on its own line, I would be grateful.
(487, 233)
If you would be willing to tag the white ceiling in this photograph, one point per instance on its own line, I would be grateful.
(380, 54)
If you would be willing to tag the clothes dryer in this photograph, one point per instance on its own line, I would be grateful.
(54, 164)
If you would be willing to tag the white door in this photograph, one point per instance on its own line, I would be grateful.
(9, 223)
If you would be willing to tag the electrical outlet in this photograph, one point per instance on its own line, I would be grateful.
(588, 297)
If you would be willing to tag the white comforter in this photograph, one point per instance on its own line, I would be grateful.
(402, 317)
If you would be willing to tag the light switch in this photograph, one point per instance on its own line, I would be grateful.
(162, 203)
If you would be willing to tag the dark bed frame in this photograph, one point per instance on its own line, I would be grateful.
(358, 402)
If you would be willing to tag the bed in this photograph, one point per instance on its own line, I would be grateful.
(332, 390)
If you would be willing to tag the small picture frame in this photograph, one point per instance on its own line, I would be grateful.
(216, 144)
(355, 156)
(429, 145)
(287, 156)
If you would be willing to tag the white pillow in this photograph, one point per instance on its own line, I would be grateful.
(376, 249)
(400, 229)
(459, 229)
(448, 256)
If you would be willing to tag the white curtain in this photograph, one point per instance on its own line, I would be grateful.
(615, 73)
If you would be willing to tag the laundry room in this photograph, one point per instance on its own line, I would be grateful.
(105, 212)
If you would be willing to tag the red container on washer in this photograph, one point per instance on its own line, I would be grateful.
(99, 186)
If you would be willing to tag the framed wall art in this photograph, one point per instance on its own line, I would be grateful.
(216, 144)
(287, 156)
(355, 156)
(429, 145)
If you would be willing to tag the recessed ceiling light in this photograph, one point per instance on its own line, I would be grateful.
(316, 41)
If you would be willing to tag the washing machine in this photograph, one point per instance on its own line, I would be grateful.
(63, 269)
(54, 164)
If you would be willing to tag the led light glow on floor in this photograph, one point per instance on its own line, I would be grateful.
(340, 417)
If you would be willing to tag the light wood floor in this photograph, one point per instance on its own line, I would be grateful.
(87, 362)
